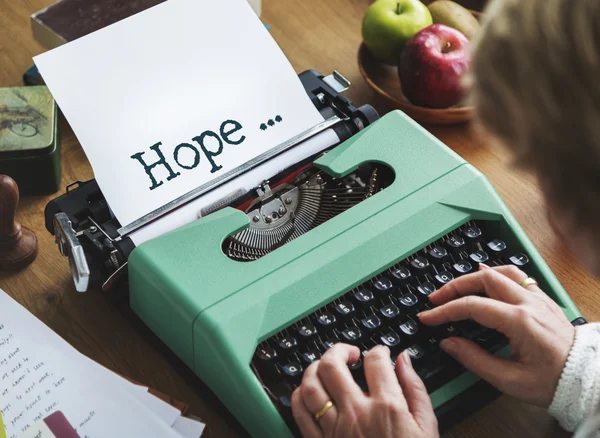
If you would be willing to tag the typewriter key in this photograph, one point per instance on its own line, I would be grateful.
(456, 244)
(292, 372)
(363, 297)
(497, 247)
(306, 331)
(409, 328)
(370, 323)
(390, 339)
(326, 320)
(311, 356)
(400, 274)
(351, 335)
(382, 284)
(520, 260)
(443, 277)
(389, 312)
(437, 254)
(426, 288)
(287, 345)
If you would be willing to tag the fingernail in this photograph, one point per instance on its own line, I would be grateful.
(406, 358)
(421, 314)
(483, 266)
(448, 345)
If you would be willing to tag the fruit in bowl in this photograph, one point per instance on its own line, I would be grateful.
(389, 24)
(431, 66)
(454, 15)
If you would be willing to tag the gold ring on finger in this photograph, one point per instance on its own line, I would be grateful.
(323, 411)
(528, 282)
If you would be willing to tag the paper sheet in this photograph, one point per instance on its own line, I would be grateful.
(191, 211)
(188, 428)
(41, 373)
(197, 86)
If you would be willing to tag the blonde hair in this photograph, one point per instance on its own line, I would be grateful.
(535, 85)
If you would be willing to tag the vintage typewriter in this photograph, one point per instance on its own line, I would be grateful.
(343, 247)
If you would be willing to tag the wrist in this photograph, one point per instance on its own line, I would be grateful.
(578, 388)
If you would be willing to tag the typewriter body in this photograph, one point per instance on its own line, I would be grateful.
(345, 248)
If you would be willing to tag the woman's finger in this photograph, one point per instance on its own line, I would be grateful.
(304, 419)
(417, 398)
(490, 281)
(380, 376)
(315, 397)
(500, 372)
(486, 311)
(335, 375)
(516, 275)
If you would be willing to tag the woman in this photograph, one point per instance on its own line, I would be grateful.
(535, 86)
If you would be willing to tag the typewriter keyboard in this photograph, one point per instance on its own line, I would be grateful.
(383, 311)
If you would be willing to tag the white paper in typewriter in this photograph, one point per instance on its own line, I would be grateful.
(173, 97)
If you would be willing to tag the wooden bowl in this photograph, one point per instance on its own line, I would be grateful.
(385, 81)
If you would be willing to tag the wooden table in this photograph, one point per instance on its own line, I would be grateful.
(314, 34)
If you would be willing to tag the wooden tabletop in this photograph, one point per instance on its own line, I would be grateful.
(314, 34)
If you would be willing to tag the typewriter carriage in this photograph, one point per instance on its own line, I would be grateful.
(87, 231)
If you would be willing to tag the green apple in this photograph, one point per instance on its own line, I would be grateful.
(389, 24)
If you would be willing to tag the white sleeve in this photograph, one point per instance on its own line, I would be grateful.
(578, 393)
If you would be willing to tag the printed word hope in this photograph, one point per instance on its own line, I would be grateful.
(187, 156)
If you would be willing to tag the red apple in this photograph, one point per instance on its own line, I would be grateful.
(431, 65)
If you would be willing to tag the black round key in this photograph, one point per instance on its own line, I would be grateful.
(443, 277)
(447, 330)
(455, 241)
(266, 353)
(326, 320)
(463, 267)
(292, 372)
(479, 256)
(356, 368)
(371, 322)
(400, 273)
(390, 339)
(472, 233)
(383, 284)
(408, 300)
(287, 345)
(356, 365)
(420, 263)
(310, 356)
(344, 308)
(426, 288)
(286, 401)
(433, 341)
(328, 343)
(409, 328)
(519, 260)
(438, 253)
(351, 335)
(415, 352)
(456, 244)
(497, 246)
(306, 331)
(363, 296)
(389, 312)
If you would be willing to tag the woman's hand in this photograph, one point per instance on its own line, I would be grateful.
(397, 405)
(539, 333)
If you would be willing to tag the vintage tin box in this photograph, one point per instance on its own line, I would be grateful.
(29, 143)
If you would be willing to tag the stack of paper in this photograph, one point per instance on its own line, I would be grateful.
(40, 373)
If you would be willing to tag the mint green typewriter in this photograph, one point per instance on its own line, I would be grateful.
(248, 300)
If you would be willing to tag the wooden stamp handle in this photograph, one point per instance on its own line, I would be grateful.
(18, 245)
(9, 198)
